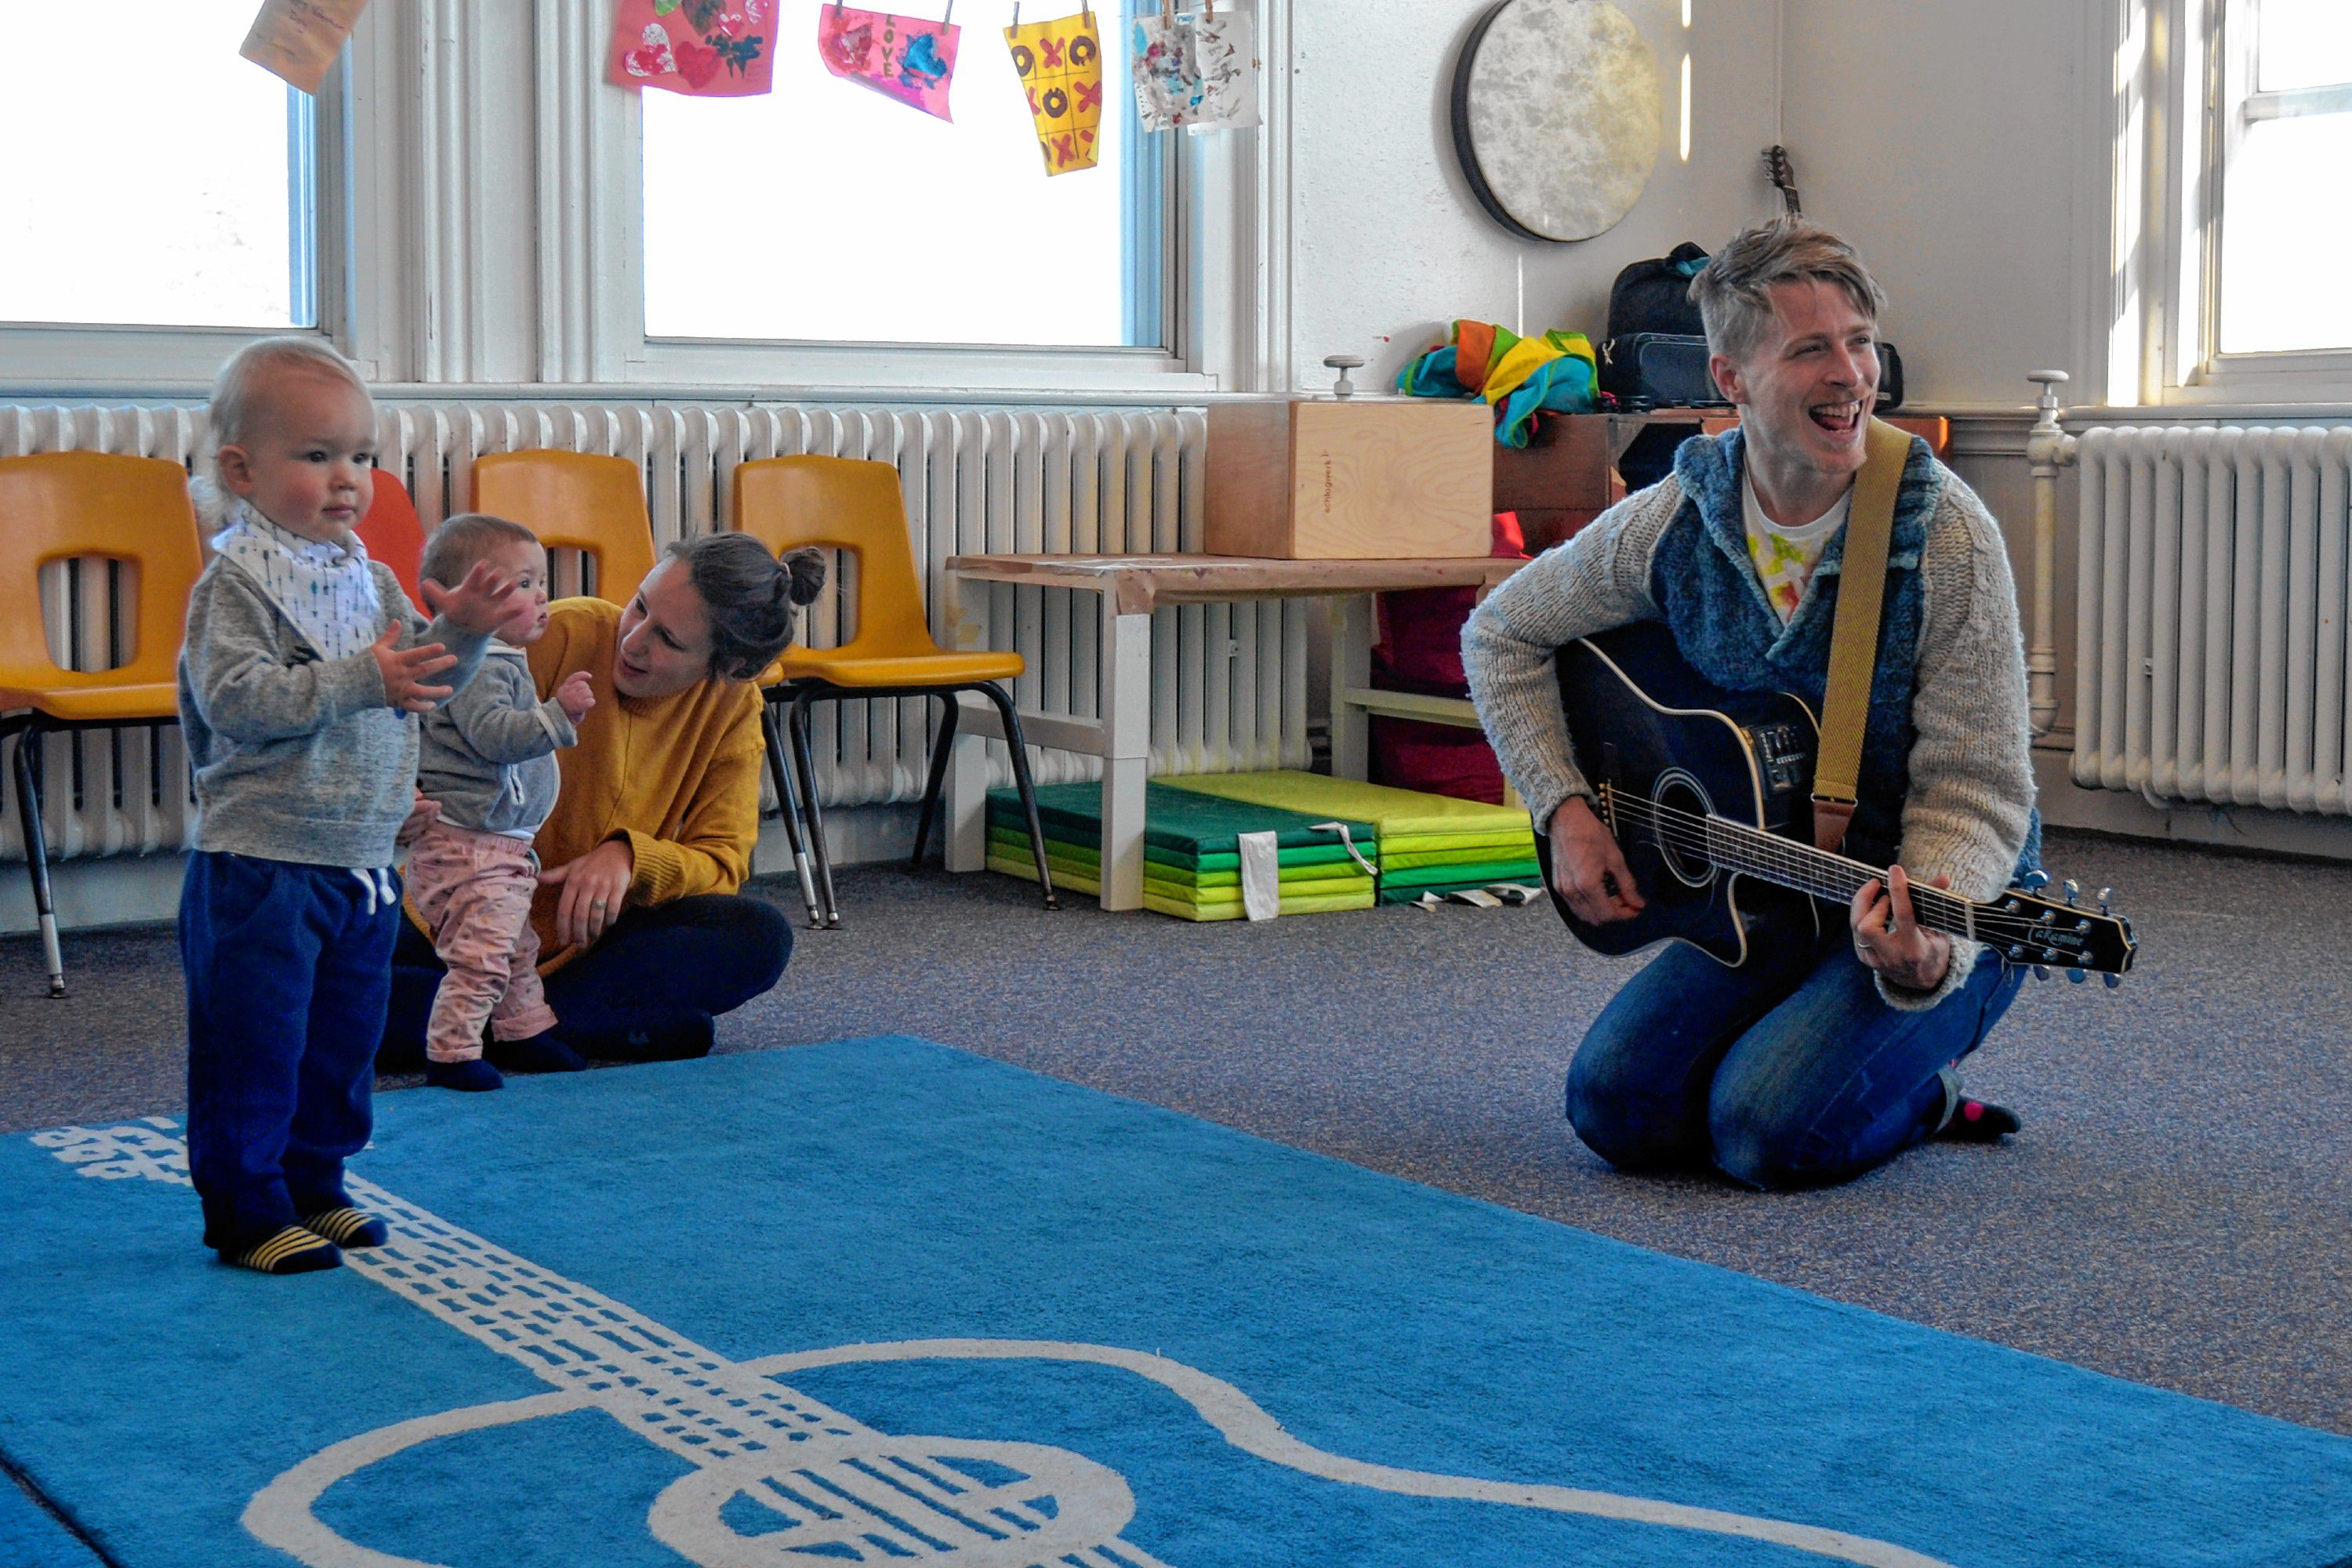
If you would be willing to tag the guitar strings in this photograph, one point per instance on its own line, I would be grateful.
(1721, 841)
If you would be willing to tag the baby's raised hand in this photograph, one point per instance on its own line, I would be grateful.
(574, 697)
(405, 669)
(484, 601)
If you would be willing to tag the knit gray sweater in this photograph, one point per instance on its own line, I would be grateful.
(297, 757)
(489, 753)
(1971, 791)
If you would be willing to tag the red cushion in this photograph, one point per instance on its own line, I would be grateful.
(392, 534)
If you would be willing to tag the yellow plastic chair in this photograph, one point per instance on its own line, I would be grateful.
(855, 506)
(54, 507)
(575, 500)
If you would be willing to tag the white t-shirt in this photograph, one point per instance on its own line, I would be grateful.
(1785, 557)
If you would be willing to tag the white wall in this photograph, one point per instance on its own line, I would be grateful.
(1388, 243)
(1942, 140)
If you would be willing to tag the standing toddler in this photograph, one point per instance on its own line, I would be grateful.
(488, 764)
(303, 666)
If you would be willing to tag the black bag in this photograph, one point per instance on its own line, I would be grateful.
(1660, 369)
(1654, 296)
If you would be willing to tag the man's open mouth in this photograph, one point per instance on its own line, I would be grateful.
(1838, 418)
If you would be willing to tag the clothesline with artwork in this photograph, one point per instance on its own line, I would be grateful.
(1193, 68)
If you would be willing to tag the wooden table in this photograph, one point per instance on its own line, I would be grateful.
(1130, 588)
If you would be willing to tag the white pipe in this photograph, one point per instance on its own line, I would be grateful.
(2048, 448)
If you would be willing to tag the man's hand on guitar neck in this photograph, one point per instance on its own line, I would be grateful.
(1889, 939)
(1588, 868)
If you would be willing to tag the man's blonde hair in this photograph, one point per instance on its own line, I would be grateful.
(1733, 292)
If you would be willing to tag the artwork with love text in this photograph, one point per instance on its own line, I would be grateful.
(903, 58)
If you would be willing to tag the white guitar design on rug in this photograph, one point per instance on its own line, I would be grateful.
(825, 1486)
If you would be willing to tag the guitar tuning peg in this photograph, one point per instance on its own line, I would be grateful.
(2106, 894)
(2114, 981)
(2075, 977)
(2035, 880)
(2040, 971)
(2073, 892)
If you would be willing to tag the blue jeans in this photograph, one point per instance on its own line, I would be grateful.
(1788, 1071)
(287, 968)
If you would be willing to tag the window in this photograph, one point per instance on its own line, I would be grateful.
(825, 213)
(173, 186)
(2284, 139)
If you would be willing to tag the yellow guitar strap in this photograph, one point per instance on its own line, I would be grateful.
(1853, 638)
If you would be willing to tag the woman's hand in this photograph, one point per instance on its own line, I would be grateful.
(595, 886)
(1889, 940)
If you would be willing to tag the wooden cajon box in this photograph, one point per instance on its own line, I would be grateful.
(1350, 480)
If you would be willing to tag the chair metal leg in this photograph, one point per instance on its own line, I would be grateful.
(788, 806)
(942, 746)
(37, 852)
(803, 748)
(1019, 749)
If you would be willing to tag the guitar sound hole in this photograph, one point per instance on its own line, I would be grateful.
(1681, 839)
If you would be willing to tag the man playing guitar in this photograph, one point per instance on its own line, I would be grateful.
(1834, 1046)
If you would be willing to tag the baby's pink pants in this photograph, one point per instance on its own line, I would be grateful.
(474, 890)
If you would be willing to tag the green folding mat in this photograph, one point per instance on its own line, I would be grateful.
(1169, 900)
(1184, 821)
(1011, 827)
(1087, 859)
(1408, 821)
(1470, 875)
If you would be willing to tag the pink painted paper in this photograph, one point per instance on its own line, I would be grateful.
(902, 58)
(703, 49)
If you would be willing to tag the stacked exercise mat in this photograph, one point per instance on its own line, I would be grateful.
(1192, 849)
(1429, 843)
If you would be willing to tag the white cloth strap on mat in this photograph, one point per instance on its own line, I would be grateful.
(1346, 842)
(1261, 875)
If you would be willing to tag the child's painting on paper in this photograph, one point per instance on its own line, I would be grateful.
(903, 58)
(703, 49)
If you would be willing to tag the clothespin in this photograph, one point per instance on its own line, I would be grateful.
(950, 18)
(1016, 15)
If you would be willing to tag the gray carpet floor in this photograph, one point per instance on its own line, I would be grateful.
(2176, 1211)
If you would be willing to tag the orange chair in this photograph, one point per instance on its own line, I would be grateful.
(54, 507)
(842, 504)
(575, 500)
(392, 533)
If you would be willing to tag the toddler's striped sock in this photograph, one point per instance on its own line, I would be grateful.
(293, 1250)
(349, 1227)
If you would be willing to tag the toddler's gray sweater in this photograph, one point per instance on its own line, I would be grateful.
(296, 757)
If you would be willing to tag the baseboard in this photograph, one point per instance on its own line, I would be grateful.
(107, 892)
(2065, 803)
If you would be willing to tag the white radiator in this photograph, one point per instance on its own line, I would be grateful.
(1230, 682)
(2210, 649)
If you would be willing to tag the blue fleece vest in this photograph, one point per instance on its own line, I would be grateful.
(1705, 586)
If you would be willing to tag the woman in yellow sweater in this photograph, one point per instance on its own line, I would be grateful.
(642, 933)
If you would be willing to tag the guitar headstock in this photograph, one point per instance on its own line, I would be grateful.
(2023, 926)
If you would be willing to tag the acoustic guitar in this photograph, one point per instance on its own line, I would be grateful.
(1709, 794)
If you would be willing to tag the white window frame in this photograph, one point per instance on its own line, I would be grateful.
(478, 234)
(83, 359)
(592, 255)
(2182, 71)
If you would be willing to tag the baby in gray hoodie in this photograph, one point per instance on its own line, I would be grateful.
(488, 762)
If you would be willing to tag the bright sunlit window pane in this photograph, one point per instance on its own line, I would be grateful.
(150, 179)
(2277, 220)
(825, 212)
(2303, 42)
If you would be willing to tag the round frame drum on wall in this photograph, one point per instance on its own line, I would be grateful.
(1557, 116)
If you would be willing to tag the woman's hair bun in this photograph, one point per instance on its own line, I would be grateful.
(805, 570)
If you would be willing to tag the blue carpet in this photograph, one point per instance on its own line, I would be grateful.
(757, 1308)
